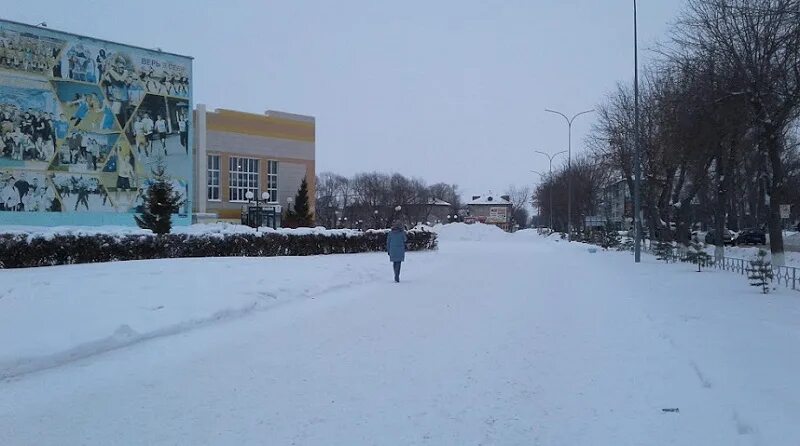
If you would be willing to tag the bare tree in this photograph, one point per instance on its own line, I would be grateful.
(520, 198)
(760, 41)
(332, 195)
(588, 179)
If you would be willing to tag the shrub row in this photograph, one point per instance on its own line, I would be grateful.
(22, 250)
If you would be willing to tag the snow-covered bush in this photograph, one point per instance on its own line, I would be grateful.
(610, 239)
(627, 244)
(23, 250)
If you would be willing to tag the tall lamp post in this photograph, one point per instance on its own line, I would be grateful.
(569, 165)
(550, 160)
(265, 198)
(251, 219)
(289, 202)
(637, 161)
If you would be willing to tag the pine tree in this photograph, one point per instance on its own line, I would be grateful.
(160, 202)
(664, 252)
(302, 212)
(697, 255)
(611, 238)
(760, 271)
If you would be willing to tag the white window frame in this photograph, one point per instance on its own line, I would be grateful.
(272, 180)
(210, 177)
(243, 176)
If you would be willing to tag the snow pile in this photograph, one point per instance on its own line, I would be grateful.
(473, 233)
(791, 240)
(529, 234)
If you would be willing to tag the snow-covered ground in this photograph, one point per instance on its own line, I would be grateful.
(494, 339)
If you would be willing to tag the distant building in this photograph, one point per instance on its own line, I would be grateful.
(440, 211)
(490, 209)
(268, 155)
(617, 204)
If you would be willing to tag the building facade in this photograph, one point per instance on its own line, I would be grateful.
(268, 155)
(490, 209)
(84, 123)
(617, 205)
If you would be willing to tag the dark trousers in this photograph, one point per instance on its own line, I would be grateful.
(397, 270)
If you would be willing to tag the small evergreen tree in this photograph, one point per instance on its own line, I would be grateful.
(663, 251)
(302, 212)
(626, 245)
(611, 238)
(760, 271)
(697, 255)
(160, 202)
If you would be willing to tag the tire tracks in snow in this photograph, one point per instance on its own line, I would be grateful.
(125, 336)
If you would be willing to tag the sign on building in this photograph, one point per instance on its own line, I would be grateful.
(497, 215)
(83, 124)
(786, 211)
(595, 221)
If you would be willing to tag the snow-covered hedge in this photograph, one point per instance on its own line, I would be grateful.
(20, 249)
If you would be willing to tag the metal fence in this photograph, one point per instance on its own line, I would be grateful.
(788, 276)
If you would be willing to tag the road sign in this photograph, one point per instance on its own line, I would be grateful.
(594, 221)
(786, 211)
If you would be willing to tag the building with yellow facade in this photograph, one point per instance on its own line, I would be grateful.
(266, 154)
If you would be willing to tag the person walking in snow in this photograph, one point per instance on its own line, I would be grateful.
(396, 247)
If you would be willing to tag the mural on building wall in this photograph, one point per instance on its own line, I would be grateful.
(84, 122)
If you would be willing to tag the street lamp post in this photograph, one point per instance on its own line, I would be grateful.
(569, 165)
(550, 160)
(396, 214)
(250, 219)
(289, 201)
(265, 198)
(637, 162)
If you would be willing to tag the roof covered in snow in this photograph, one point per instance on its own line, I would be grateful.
(489, 200)
(438, 202)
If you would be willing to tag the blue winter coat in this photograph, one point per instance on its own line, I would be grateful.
(396, 245)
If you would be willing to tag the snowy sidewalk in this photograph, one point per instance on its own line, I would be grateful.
(513, 340)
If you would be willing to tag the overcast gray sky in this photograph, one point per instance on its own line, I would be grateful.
(449, 91)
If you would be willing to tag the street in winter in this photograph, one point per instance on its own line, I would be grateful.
(467, 350)
(459, 223)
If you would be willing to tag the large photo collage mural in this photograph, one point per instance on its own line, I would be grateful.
(83, 123)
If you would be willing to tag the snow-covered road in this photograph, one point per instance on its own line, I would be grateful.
(511, 340)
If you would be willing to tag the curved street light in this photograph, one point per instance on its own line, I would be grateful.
(569, 164)
(550, 160)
